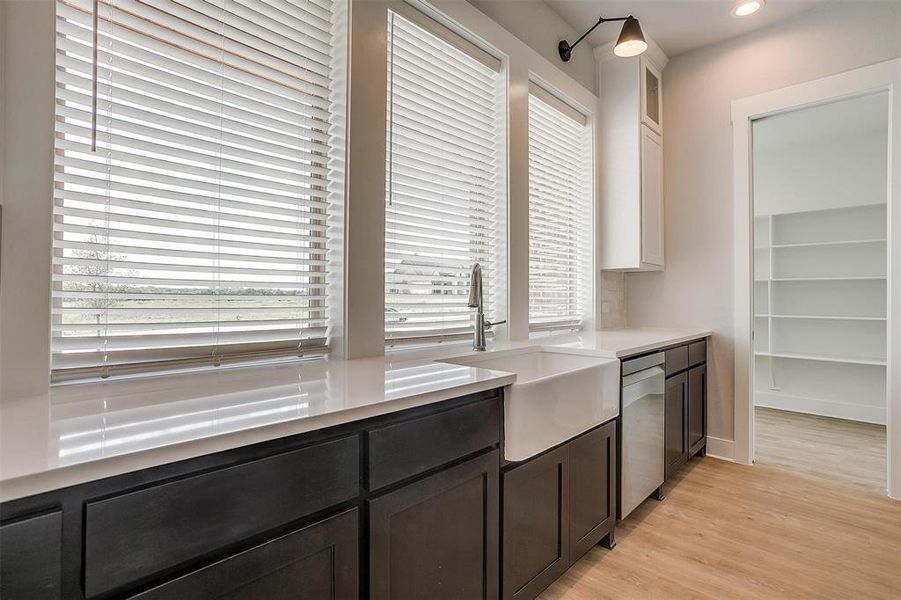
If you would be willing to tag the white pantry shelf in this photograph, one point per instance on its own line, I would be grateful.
(827, 243)
(854, 360)
(823, 317)
(834, 209)
(831, 243)
(846, 278)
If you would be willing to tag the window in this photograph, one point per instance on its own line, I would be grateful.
(445, 200)
(560, 215)
(196, 232)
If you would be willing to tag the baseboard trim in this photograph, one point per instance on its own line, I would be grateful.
(721, 449)
(823, 408)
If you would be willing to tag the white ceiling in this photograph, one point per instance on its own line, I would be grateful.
(676, 25)
(825, 122)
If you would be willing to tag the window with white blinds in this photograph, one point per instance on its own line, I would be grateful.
(195, 232)
(560, 215)
(445, 198)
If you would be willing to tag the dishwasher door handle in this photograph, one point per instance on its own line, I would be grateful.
(642, 375)
(634, 365)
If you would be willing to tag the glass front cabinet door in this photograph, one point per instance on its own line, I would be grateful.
(651, 96)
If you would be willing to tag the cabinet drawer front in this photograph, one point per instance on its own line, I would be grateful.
(318, 561)
(697, 353)
(676, 360)
(30, 555)
(401, 450)
(141, 533)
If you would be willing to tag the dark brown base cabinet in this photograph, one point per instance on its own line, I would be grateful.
(555, 508)
(401, 506)
(685, 398)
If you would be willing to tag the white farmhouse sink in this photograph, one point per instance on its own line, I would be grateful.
(556, 396)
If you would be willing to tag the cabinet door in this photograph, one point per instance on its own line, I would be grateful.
(438, 537)
(651, 198)
(697, 408)
(30, 558)
(316, 562)
(675, 423)
(592, 474)
(651, 96)
(536, 524)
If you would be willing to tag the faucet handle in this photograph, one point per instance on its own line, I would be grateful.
(489, 324)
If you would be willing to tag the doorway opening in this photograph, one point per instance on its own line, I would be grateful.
(820, 299)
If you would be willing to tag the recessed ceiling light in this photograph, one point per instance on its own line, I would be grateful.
(743, 8)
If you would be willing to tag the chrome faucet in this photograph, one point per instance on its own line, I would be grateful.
(475, 301)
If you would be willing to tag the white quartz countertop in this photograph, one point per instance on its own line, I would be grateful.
(620, 343)
(80, 433)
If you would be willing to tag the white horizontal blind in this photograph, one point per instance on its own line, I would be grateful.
(196, 232)
(560, 219)
(444, 207)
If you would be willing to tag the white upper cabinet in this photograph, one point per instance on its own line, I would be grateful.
(630, 160)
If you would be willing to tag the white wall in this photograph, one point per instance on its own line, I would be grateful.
(696, 287)
(800, 177)
(536, 24)
(2, 156)
(27, 37)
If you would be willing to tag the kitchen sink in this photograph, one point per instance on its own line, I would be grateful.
(556, 396)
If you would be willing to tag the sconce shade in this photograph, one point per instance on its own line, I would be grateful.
(631, 39)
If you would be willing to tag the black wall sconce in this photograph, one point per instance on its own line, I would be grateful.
(630, 42)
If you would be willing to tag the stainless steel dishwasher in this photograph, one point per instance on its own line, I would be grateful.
(642, 430)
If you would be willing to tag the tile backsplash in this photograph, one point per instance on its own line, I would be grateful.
(613, 300)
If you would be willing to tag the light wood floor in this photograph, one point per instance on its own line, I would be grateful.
(809, 520)
(822, 448)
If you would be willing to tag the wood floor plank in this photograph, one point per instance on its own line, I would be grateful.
(809, 520)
